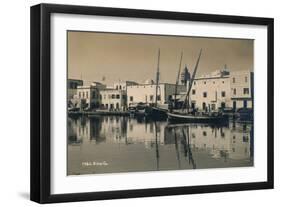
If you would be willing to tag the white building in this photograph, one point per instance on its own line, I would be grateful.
(89, 96)
(242, 89)
(210, 93)
(222, 89)
(146, 93)
(112, 99)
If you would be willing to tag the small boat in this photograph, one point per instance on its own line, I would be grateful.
(73, 109)
(193, 118)
(158, 113)
(139, 109)
(244, 114)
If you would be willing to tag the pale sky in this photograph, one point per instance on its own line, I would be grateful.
(93, 55)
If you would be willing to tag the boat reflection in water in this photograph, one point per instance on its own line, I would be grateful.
(109, 144)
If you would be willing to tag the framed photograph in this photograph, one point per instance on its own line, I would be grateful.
(133, 103)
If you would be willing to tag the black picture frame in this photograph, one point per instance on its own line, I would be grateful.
(41, 99)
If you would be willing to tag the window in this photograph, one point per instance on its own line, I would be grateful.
(205, 94)
(117, 96)
(245, 138)
(194, 83)
(214, 82)
(124, 97)
(205, 82)
(131, 98)
(151, 97)
(87, 94)
(79, 94)
(223, 94)
(158, 98)
(83, 94)
(234, 91)
(113, 96)
(246, 79)
(233, 80)
(204, 106)
(222, 82)
(94, 94)
(204, 133)
(193, 91)
(246, 90)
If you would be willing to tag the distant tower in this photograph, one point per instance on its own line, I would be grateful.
(185, 76)
(225, 71)
(225, 67)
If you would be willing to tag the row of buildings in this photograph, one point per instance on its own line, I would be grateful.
(219, 89)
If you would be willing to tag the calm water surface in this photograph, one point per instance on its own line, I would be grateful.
(109, 144)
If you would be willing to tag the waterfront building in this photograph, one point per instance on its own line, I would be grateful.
(242, 89)
(89, 96)
(113, 99)
(211, 92)
(222, 89)
(146, 93)
(72, 85)
(122, 85)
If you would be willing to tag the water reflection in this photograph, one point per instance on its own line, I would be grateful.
(128, 145)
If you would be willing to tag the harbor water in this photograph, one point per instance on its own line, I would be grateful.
(113, 144)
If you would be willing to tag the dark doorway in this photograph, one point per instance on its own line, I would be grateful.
(234, 105)
(204, 105)
(245, 105)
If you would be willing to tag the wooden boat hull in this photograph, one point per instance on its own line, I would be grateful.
(188, 118)
(157, 113)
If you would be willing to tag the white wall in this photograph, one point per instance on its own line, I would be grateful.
(14, 153)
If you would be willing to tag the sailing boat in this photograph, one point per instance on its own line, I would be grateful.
(157, 112)
(186, 116)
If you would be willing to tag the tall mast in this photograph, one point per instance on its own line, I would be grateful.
(191, 81)
(157, 77)
(177, 81)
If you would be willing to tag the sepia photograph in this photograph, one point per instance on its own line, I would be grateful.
(143, 102)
